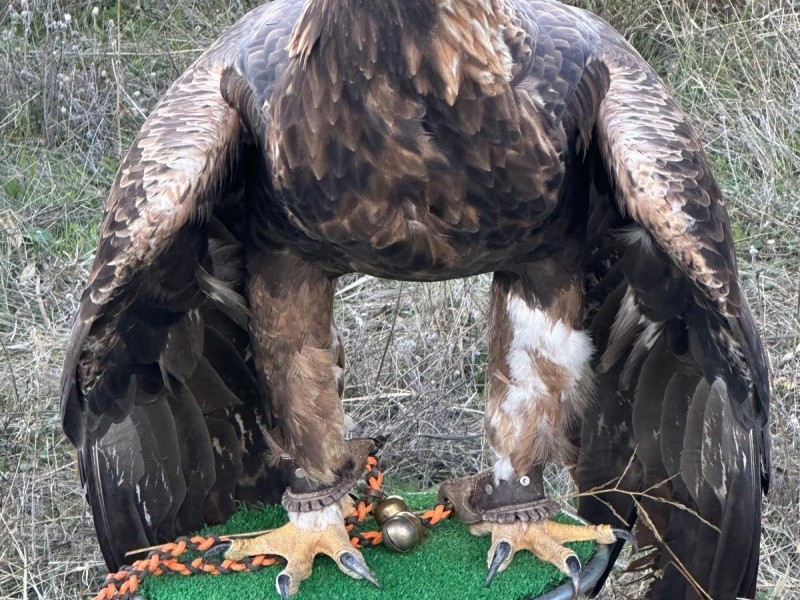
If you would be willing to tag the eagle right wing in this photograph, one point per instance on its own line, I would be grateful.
(159, 394)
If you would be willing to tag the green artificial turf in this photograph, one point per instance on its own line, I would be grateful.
(451, 563)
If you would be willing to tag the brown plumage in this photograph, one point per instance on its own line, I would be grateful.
(421, 140)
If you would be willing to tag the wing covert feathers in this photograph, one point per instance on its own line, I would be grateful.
(662, 176)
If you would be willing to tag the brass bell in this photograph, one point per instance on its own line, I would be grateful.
(387, 508)
(402, 531)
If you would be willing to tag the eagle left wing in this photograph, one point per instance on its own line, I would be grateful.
(680, 417)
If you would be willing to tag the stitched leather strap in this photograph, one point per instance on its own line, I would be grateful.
(304, 495)
(479, 498)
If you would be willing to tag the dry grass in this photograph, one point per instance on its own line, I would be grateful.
(74, 90)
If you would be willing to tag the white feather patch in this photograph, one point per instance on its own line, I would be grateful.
(222, 294)
(317, 519)
(502, 469)
(536, 333)
(644, 343)
(626, 325)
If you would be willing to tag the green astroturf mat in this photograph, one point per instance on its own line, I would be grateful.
(451, 563)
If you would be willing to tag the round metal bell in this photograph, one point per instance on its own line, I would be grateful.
(387, 508)
(402, 531)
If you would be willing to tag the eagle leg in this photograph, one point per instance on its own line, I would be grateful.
(299, 359)
(539, 367)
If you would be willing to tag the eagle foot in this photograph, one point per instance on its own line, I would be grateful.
(300, 541)
(316, 526)
(544, 539)
(515, 512)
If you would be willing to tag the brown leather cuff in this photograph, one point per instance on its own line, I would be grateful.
(478, 498)
(304, 495)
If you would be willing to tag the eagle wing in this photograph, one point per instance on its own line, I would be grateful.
(159, 394)
(679, 423)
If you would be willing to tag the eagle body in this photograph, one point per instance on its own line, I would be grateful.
(401, 173)
(423, 140)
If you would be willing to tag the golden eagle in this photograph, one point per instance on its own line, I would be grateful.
(423, 140)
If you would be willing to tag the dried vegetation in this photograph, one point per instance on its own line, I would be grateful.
(77, 79)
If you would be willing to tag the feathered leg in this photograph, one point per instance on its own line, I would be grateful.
(540, 378)
(295, 346)
(300, 360)
(539, 374)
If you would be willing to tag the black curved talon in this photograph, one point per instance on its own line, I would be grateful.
(624, 534)
(217, 551)
(501, 553)
(284, 584)
(574, 568)
(351, 562)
